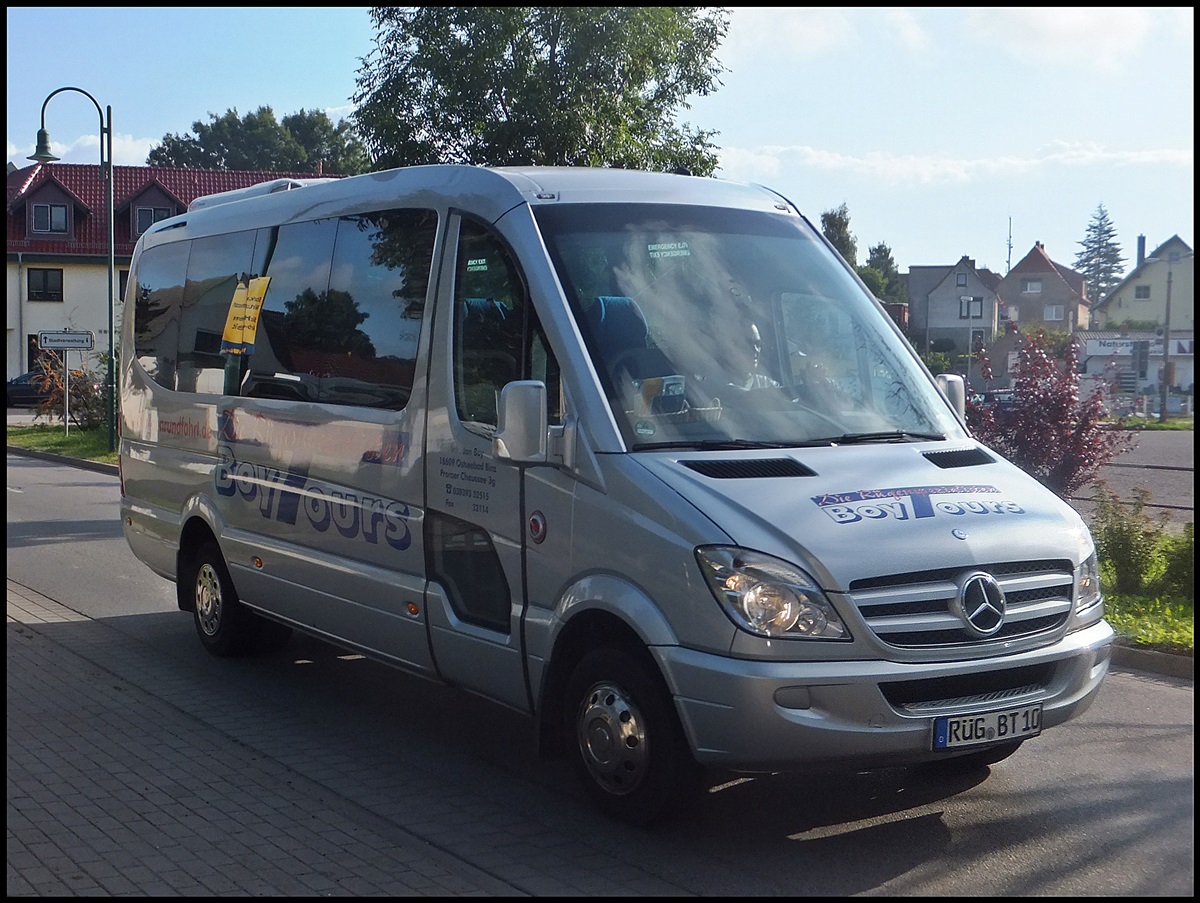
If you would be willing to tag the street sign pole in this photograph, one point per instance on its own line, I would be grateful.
(66, 341)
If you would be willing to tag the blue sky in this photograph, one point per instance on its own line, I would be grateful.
(936, 127)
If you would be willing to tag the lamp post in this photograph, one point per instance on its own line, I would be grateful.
(43, 154)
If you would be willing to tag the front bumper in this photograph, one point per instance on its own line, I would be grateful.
(752, 716)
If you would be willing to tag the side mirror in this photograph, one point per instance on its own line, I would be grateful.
(955, 390)
(521, 427)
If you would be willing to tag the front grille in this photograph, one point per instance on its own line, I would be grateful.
(987, 688)
(917, 610)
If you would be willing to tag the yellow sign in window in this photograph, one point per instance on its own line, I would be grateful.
(241, 323)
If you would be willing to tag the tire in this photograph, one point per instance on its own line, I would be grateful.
(625, 740)
(224, 625)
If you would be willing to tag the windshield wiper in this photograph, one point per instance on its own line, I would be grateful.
(883, 436)
(712, 444)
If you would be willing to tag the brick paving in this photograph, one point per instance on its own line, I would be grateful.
(114, 791)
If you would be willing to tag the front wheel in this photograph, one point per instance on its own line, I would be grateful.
(625, 738)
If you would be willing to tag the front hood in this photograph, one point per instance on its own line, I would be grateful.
(846, 513)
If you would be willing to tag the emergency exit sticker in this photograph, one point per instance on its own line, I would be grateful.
(241, 323)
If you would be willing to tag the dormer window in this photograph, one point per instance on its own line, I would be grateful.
(145, 217)
(50, 218)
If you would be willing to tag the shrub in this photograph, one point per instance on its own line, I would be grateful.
(1127, 541)
(1179, 574)
(1049, 431)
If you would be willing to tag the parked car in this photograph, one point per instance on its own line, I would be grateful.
(27, 391)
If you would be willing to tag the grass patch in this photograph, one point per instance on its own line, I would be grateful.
(91, 445)
(1147, 622)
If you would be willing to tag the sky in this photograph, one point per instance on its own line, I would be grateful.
(945, 131)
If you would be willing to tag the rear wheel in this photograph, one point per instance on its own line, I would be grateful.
(224, 625)
(625, 738)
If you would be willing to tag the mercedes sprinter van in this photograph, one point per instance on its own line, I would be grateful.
(635, 454)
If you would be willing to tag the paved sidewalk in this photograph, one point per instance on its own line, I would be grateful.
(116, 791)
(113, 791)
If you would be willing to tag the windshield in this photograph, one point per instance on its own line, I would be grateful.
(713, 327)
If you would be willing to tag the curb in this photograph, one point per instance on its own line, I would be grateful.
(1182, 666)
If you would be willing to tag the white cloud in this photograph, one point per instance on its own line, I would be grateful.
(899, 170)
(1098, 38)
(910, 32)
(127, 150)
(759, 32)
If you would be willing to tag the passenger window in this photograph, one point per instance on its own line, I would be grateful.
(342, 317)
(157, 308)
(215, 267)
(489, 311)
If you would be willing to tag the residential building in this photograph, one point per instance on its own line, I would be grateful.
(57, 252)
(953, 308)
(1128, 331)
(1038, 293)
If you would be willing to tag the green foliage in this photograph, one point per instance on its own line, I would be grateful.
(874, 280)
(835, 226)
(1100, 261)
(540, 85)
(1179, 575)
(879, 257)
(306, 141)
(1162, 624)
(937, 362)
(1128, 543)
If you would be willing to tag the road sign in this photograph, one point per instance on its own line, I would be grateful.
(66, 340)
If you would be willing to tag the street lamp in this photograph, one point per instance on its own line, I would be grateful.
(43, 154)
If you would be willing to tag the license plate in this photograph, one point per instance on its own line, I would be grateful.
(988, 727)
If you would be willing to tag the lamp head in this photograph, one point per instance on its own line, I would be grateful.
(43, 154)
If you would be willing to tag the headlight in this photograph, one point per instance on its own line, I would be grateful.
(767, 596)
(1088, 597)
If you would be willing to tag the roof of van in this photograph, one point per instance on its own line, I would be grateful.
(489, 192)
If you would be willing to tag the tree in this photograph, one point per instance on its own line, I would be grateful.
(879, 257)
(835, 225)
(1049, 431)
(307, 141)
(540, 85)
(1100, 261)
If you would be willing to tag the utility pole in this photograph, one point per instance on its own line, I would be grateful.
(1164, 389)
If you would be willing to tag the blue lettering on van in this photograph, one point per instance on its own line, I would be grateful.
(911, 502)
(282, 495)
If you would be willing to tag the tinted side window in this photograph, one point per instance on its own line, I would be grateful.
(489, 312)
(157, 307)
(342, 315)
(216, 266)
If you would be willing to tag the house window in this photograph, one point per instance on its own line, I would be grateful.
(1031, 286)
(148, 216)
(45, 285)
(1141, 293)
(970, 308)
(1008, 312)
(960, 280)
(1055, 312)
(50, 218)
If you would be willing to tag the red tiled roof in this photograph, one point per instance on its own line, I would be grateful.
(85, 183)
